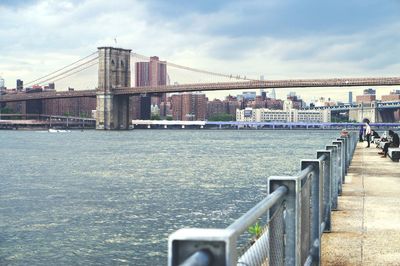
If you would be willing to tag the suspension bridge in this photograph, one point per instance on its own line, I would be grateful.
(114, 84)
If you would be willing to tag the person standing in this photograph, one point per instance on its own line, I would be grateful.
(361, 134)
(368, 133)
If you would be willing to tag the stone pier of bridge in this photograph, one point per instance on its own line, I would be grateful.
(366, 226)
(112, 111)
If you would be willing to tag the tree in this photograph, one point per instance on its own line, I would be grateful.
(222, 117)
(155, 117)
(6, 110)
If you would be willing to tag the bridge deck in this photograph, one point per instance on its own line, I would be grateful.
(366, 228)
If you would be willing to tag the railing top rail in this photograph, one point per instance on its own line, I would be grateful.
(305, 172)
(323, 157)
(250, 217)
(199, 258)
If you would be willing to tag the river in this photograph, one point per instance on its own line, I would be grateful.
(112, 198)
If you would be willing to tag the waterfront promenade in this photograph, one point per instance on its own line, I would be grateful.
(366, 226)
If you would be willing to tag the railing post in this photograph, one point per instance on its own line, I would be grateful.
(292, 220)
(327, 188)
(355, 141)
(340, 164)
(220, 244)
(316, 211)
(334, 175)
(344, 156)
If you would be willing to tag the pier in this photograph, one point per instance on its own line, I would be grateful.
(339, 209)
(366, 226)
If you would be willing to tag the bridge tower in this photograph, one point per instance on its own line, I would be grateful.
(112, 111)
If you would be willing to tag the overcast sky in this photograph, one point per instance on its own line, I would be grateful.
(275, 38)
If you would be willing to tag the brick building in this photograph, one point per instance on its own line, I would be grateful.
(189, 106)
(215, 107)
(368, 96)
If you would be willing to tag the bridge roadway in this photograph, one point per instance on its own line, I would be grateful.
(290, 83)
(366, 228)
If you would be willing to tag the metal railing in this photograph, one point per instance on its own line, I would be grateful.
(287, 224)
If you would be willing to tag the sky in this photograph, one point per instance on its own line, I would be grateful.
(279, 39)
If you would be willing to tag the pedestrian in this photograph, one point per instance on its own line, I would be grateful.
(393, 143)
(344, 133)
(367, 132)
(360, 134)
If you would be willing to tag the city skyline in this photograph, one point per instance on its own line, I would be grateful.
(323, 40)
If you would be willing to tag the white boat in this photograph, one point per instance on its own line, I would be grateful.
(52, 130)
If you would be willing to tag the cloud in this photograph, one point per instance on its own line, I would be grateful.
(277, 39)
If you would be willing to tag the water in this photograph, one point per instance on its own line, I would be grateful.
(112, 198)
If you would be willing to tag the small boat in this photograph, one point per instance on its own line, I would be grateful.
(52, 130)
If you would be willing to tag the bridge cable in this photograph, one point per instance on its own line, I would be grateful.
(69, 70)
(136, 55)
(80, 70)
(33, 81)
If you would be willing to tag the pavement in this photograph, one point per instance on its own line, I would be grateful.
(366, 226)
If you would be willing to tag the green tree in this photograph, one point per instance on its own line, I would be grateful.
(155, 117)
(6, 110)
(222, 117)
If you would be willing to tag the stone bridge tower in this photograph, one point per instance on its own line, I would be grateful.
(112, 111)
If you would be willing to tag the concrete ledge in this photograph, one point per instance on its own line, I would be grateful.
(366, 228)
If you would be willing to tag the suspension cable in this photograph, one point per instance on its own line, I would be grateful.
(69, 70)
(136, 55)
(33, 81)
(75, 72)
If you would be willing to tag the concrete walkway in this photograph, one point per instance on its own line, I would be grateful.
(366, 228)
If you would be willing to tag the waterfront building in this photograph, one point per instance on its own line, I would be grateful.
(288, 114)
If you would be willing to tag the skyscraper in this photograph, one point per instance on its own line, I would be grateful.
(20, 85)
(350, 97)
(273, 94)
(152, 73)
(2, 83)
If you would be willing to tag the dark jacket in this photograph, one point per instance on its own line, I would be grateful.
(395, 140)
